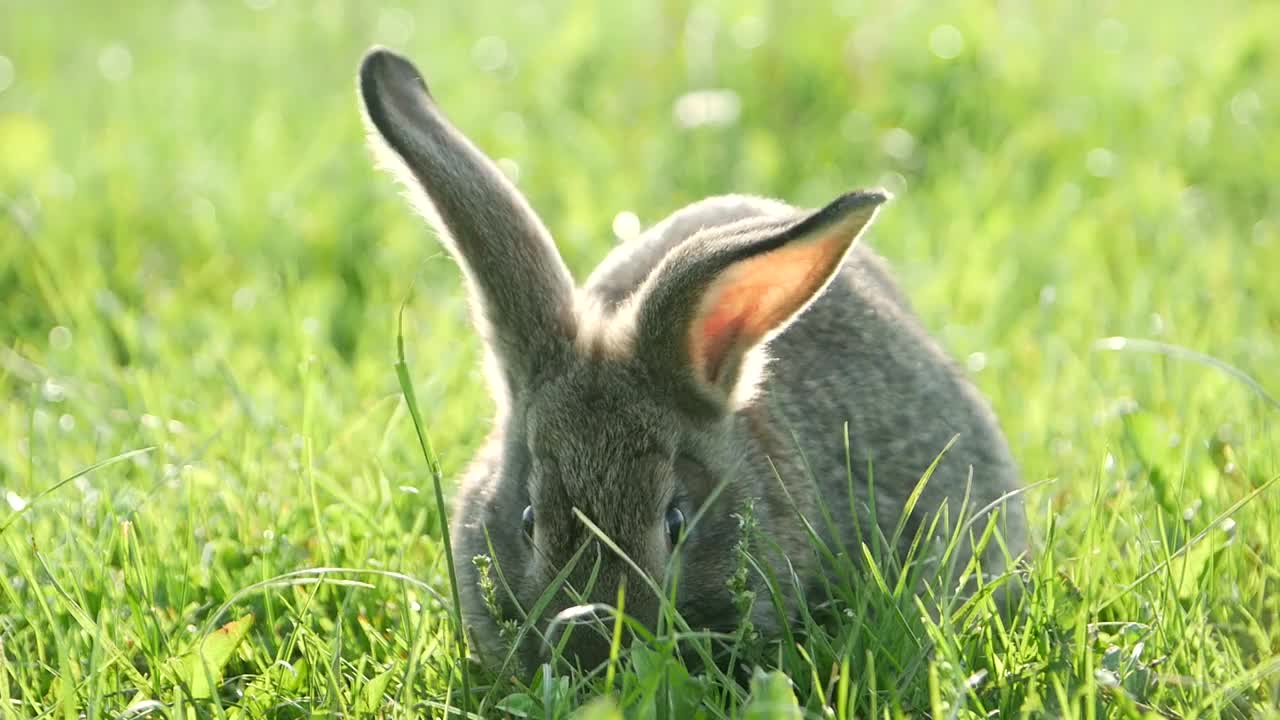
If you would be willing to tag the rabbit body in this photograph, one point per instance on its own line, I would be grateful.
(718, 360)
(857, 360)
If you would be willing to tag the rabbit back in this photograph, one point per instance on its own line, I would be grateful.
(860, 356)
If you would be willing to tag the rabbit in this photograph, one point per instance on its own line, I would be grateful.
(718, 359)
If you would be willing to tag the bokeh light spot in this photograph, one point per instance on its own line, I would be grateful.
(1100, 162)
(626, 225)
(946, 42)
(115, 62)
(7, 73)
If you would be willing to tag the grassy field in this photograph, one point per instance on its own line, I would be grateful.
(200, 275)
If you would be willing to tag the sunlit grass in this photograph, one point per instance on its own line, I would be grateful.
(201, 277)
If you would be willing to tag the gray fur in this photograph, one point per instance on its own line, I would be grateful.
(622, 272)
(611, 417)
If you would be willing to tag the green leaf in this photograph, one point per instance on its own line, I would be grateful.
(771, 697)
(203, 667)
(519, 705)
(372, 692)
(279, 681)
(1186, 570)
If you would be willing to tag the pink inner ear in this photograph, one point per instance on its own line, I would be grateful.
(756, 296)
(722, 323)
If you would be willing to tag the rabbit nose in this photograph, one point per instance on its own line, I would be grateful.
(586, 632)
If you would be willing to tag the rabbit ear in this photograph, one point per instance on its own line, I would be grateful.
(712, 303)
(521, 291)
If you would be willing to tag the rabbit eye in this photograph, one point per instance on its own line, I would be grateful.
(675, 524)
(526, 519)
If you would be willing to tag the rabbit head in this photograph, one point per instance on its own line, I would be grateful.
(616, 423)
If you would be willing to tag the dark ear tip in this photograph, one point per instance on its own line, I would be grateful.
(860, 203)
(382, 68)
(864, 199)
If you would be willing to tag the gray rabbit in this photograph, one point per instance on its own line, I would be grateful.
(715, 360)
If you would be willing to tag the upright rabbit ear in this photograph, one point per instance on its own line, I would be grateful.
(711, 304)
(521, 291)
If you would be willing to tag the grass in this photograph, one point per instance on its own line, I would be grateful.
(216, 503)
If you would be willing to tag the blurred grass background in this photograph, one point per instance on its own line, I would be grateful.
(196, 254)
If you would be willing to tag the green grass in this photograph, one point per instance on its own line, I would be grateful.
(200, 275)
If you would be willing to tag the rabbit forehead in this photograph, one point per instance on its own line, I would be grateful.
(604, 405)
(606, 437)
